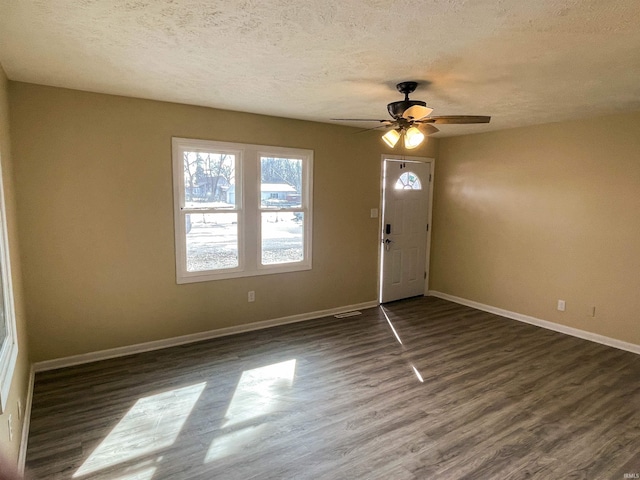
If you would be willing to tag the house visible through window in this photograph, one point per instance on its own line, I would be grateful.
(240, 209)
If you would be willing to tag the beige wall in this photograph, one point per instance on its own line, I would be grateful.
(96, 220)
(527, 216)
(19, 384)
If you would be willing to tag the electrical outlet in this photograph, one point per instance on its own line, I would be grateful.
(561, 305)
(251, 297)
(10, 422)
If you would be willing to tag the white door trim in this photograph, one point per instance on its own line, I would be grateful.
(405, 158)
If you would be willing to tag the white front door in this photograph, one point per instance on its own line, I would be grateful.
(405, 217)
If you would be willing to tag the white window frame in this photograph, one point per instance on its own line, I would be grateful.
(9, 348)
(248, 208)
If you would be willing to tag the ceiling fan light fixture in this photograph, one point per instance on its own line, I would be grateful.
(416, 112)
(391, 137)
(412, 138)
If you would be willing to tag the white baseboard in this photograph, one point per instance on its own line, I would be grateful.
(575, 332)
(26, 421)
(195, 337)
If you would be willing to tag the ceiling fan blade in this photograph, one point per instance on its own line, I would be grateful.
(374, 128)
(459, 119)
(416, 112)
(359, 120)
(428, 129)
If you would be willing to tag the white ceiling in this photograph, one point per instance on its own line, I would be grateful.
(522, 62)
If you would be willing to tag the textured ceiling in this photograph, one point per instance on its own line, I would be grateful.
(522, 62)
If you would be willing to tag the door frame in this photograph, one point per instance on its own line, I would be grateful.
(409, 159)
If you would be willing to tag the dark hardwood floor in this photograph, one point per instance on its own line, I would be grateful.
(434, 391)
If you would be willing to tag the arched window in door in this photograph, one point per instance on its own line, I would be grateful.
(408, 181)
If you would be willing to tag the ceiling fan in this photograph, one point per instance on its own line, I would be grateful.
(411, 119)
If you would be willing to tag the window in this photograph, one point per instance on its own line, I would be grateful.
(408, 181)
(240, 210)
(8, 340)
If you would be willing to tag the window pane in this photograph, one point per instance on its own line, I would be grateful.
(408, 181)
(209, 180)
(282, 237)
(212, 241)
(281, 182)
(216, 185)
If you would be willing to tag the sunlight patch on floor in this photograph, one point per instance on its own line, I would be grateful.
(145, 474)
(391, 324)
(229, 443)
(143, 470)
(258, 393)
(153, 423)
(259, 390)
(415, 370)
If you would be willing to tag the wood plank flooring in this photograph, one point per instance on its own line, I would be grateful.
(418, 389)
